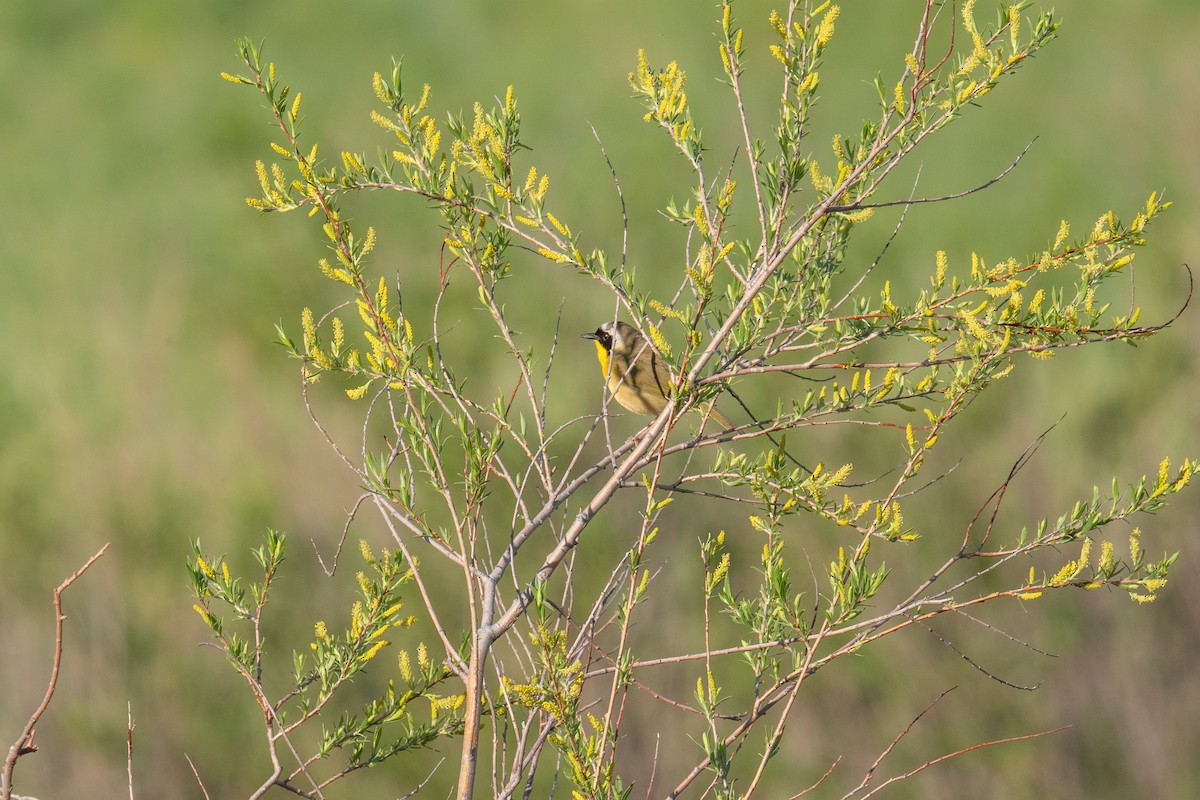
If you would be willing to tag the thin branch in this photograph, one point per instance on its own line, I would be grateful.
(130, 725)
(620, 196)
(421, 785)
(1005, 634)
(196, 774)
(941, 198)
(25, 743)
(819, 780)
(337, 553)
(870, 773)
(974, 664)
(956, 753)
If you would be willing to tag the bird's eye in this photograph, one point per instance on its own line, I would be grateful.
(604, 337)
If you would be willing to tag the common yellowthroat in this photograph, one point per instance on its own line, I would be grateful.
(635, 375)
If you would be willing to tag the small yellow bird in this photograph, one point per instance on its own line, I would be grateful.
(634, 373)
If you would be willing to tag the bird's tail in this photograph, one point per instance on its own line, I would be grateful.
(714, 413)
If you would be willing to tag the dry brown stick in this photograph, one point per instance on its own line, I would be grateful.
(131, 724)
(24, 743)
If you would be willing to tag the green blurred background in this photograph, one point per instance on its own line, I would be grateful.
(146, 405)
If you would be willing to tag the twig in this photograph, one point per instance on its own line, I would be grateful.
(870, 773)
(620, 196)
(197, 776)
(963, 751)
(819, 780)
(130, 724)
(25, 742)
(337, 553)
(978, 667)
(939, 198)
(1005, 634)
(421, 785)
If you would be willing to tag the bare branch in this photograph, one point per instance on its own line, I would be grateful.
(941, 198)
(130, 724)
(25, 743)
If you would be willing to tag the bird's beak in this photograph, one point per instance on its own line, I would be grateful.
(591, 336)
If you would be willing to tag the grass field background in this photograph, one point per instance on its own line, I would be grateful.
(144, 403)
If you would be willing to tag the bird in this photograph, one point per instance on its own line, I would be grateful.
(634, 373)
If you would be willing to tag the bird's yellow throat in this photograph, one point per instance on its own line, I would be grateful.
(602, 354)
